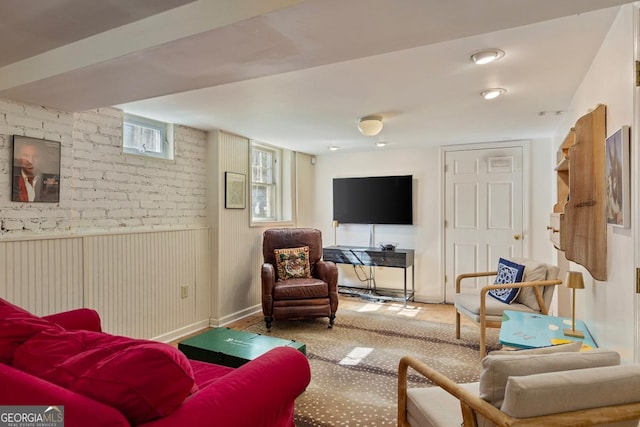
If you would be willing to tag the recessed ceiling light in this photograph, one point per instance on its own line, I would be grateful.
(381, 143)
(493, 93)
(334, 148)
(486, 56)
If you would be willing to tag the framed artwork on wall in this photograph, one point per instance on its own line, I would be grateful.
(234, 190)
(35, 170)
(617, 178)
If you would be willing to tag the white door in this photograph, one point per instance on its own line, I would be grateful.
(483, 211)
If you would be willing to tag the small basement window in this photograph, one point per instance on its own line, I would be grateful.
(147, 137)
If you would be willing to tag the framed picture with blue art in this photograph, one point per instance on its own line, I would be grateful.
(617, 178)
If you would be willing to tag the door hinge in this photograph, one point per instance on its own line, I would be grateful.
(446, 166)
(445, 279)
(637, 70)
(637, 280)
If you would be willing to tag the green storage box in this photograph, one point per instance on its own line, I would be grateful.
(228, 347)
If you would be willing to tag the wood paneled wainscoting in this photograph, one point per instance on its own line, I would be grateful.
(134, 280)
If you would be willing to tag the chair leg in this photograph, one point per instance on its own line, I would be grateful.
(483, 341)
(457, 325)
(268, 320)
(332, 319)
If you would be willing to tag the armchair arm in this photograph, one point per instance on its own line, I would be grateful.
(535, 285)
(268, 276)
(470, 275)
(260, 393)
(78, 319)
(328, 272)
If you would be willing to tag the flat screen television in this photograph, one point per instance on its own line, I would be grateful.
(373, 200)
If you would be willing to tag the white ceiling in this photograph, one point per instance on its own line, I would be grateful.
(300, 73)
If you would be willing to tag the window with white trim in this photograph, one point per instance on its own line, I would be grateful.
(272, 171)
(147, 137)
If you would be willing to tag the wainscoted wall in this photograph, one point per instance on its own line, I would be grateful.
(237, 251)
(127, 233)
(133, 279)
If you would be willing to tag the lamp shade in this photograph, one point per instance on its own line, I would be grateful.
(370, 125)
(573, 280)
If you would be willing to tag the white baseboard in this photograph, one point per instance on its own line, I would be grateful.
(236, 316)
(185, 330)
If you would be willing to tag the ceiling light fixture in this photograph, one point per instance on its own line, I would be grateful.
(370, 125)
(334, 148)
(493, 93)
(486, 56)
(381, 143)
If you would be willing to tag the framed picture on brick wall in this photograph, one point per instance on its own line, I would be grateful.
(36, 170)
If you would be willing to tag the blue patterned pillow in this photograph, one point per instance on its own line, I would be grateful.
(508, 272)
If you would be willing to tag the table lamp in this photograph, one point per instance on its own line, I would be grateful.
(573, 281)
(335, 224)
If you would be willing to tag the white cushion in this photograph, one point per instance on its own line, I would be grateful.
(533, 271)
(497, 369)
(469, 305)
(550, 393)
(434, 407)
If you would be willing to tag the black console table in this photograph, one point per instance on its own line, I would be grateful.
(376, 257)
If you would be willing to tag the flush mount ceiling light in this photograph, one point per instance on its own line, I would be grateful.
(486, 56)
(381, 143)
(370, 125)
(334, 148)
(493, 93)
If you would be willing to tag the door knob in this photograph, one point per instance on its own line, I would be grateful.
(516, 236)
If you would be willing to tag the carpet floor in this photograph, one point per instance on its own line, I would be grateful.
(354, 365)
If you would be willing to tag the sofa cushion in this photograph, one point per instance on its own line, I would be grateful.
(143, 379)
(508, 272)
(17, 326)
(549, 393)
(497, 369)
(534, 271)
(293, 263)
(421, 404)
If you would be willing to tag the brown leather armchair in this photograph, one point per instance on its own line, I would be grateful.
(296, 298)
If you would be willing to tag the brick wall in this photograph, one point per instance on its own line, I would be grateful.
(101, 188)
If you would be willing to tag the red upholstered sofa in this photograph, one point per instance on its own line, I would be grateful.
(103, 380)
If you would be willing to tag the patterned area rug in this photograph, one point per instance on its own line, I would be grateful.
(354, 365)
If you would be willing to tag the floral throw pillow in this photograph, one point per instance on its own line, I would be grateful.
(293, 263)
(508, 272)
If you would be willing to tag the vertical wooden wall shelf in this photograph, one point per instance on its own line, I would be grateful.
(578, 222)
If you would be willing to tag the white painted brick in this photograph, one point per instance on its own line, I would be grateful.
(12, 224)
(85, 126)
(24, 121)
(11, 129)
(94, 213)
(11, 106)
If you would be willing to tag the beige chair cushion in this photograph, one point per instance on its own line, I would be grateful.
(533, 271)
(469, 305)
(435, 407)
(497, 369)
(550, 393)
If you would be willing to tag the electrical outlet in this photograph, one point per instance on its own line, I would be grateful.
(184, 291)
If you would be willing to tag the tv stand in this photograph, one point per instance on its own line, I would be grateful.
(376, 257)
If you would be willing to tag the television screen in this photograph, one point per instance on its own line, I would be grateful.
(373, 200)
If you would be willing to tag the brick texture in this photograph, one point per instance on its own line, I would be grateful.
(101, 188)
